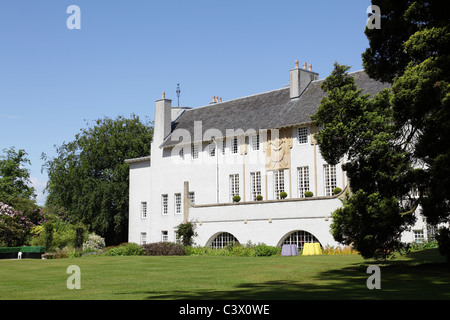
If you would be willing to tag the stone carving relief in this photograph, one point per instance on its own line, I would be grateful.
(278, 149)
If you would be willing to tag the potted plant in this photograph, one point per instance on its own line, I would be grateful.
(259, 197)
(283, 195)
(236, 198)
(337, 190)
(309, 194)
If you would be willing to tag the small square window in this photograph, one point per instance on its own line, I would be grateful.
(144, 209)
(194, 151)
(234, 145)
(165, 204)
(302, 135)
(177, 203)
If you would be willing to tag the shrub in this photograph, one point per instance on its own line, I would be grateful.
(309, 194)
(337, 190)
(259, 197)
(94, 243)
(443, 239)
(125, 249)
(163, 249)
(48, 231)
(186, 233)
(236, 198)
(283, 195)
(262, 250)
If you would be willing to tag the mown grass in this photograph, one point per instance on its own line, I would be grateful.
(419, 275)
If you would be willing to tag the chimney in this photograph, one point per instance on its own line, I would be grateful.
(163, 119)
(299, 79)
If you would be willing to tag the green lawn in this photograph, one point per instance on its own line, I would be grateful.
(420, 275)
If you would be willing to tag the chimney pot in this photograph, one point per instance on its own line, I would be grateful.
(220, 99)
(163, 95)
(304, 65)
(296, 64)
(310, 67)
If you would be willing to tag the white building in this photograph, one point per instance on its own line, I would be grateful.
(256, 145)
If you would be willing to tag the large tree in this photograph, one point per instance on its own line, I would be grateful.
(412, 51)
(360, 129)
(89, 176)
(400, 140)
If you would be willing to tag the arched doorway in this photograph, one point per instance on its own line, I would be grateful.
(221, 240)
(299, 237)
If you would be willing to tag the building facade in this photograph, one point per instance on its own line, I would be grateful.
(260, 148)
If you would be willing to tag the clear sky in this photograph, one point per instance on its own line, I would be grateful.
(53, 79)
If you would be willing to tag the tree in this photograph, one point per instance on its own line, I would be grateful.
(412, 51)
(360, 129)
(14, 177)
(409, 148)
(89, 176)
(186, 233)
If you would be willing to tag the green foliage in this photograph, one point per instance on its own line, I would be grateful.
(89, 176)
(235, 249)
(337, 190)
(411, 51)
(263, 250)
(236, 198)
(14, 177)
(309, 194)
(371, 224)
(125, 249)
(259, 197)
(283, 195)
(48, 234)
(186, 233)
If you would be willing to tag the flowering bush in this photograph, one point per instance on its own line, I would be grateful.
(15, 225)
(94, 243)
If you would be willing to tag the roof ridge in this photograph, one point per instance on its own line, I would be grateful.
(227, 101)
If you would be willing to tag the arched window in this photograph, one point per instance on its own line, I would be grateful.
(222, 240)
(299, 238)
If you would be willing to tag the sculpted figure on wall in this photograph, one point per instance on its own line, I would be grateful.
(278, 149)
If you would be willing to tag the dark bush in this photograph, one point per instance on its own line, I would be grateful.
(443, 239)
(163, 249)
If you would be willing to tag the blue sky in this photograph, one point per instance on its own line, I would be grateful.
(53, 80)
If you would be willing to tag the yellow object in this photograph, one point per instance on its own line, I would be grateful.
(310, 249)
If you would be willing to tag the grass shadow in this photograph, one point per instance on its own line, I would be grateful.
(421, 276)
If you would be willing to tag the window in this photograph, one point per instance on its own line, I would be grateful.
(192, 196)
(224, 145)
(143, 237)
(234, 186)
(222, 240)
(255, 184)
(255, 142)
(278, 183)
(302, 135)
(299, 238)
(182, 154)
(164, 236)
(303, 181)
(212, 149)
(330, 178)
(177, 203)
(194, 151)
(144, 209)
(234, 145)
(418, 236)
(165, 201)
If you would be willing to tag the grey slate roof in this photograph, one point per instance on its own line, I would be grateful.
(268, 110)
